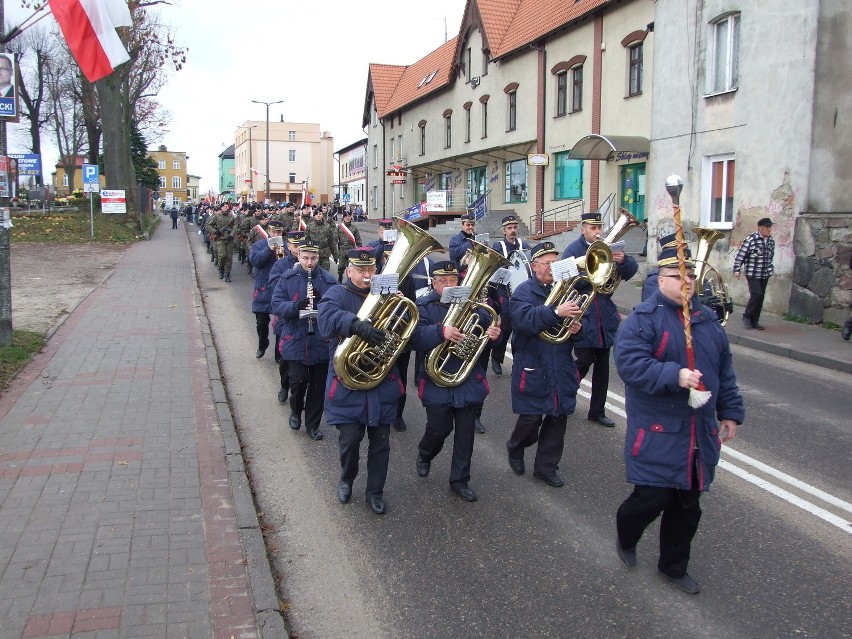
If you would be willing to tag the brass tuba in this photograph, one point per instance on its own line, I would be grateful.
(481, 264)
(707, 279)
(624, 223)
(359, 365)
(599, 267)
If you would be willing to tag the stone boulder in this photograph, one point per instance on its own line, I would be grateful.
(805, 304)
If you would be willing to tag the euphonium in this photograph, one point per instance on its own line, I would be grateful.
(599, 266)
(624, 223)
(359, 365)
(707, 279)
(481, 264)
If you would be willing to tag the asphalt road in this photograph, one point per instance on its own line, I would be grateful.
(528, 560)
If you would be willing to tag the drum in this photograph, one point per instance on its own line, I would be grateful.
(519, 269)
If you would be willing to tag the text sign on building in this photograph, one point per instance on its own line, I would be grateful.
(436, 201)
(399, 174)
(397, 181)
(28, 163)
(113, 201)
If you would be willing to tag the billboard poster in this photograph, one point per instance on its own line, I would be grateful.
(28, 163)
(113, 201)
(8, 87)
(436, 201)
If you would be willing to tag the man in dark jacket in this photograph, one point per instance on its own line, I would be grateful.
(671, 449)
(505, 247)
(755, 256)
(262, 257)
(460, 242)
(600, 323)
(544, 377)
(448, 407)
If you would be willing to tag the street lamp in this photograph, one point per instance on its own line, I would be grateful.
(266, 195)
(251, 164)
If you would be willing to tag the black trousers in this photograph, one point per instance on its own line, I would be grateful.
(174, 222)
(262, 330)
(402, 367)
(283, 368)
(681, 514)
(757, 291)
(548, 431)
(498, 348)
(599, 358)
(307, 387)
(440, 422)
(378, 455)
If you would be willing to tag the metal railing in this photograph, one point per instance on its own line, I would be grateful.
(550, 220)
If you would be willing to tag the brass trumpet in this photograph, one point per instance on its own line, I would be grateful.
(707, 279)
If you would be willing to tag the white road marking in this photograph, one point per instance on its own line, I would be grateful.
(754, 479)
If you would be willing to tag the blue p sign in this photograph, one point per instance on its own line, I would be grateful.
(90, 173)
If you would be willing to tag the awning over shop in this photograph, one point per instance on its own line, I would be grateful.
(601, 147)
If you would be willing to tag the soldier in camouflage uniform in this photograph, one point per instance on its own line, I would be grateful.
(323, 235)
(345, 243)
(241, 230)
(221, 227)
(262, 219)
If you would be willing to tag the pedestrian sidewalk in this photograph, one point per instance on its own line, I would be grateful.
(800, 342)
(124, 505)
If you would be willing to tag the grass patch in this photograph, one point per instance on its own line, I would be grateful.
(831, 326)
(13, 358)
(74, 227)
(798, 319)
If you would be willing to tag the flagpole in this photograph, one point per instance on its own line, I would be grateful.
(5, 260)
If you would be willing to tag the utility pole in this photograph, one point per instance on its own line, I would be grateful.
(5, 262)
(266, 195)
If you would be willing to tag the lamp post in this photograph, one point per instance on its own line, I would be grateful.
(251, 173)
(266, 194)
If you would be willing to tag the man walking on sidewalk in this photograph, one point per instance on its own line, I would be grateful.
(755, 256)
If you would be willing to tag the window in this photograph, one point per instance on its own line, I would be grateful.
(64, 179)
(291, 136)
(374, 116)
(635, 84)
(176, 182)
(485, 63)
(375, 156)
(422, 138)
(392, 153)
(399, 147)
(467, 124)
(725, 54)
(292, 178)
(161, 165)
(484, 119)
(468, 65)
(516, 181)
(562, 93)
(512, 98)
(162, 181)
(720, 174)
(374, 197)
(292, 155)
(176, 165)
(577, 93)
(448, 132)
(569, 177)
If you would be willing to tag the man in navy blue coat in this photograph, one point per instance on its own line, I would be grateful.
(460, 242)
(600, 322)
(351, 411)
(381, 246)
(278, 269)
(263, 257)
(505, 247)
(544, 377)
(671, 449)
(448, 407)
(297, 292)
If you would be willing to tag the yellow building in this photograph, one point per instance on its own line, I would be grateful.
(171, 165)
(62, 186)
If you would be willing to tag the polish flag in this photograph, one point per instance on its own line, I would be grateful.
(306, 194)
(89, 29)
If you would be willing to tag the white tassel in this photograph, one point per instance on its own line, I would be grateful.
(698, 398)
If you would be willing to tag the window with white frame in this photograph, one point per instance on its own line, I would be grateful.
(719, 181)
(176, 165)
(399, 147)
(176, 182)
(291, 135)
(448, 131)
(467, 124)
(561, 93)
(516, 181)
(635, 55)
(64, 179)
(485, 119)
(512, 106)
(161, 165)
(422, 138)
(392, 153)
(291, 155)
(162, 181)
(724, 60)
(375, 156)
(374, 197)
(292, 178)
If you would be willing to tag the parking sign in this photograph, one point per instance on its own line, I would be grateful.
(90, 173)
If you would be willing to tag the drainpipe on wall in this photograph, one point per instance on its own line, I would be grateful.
(540, 131)
(597, 62)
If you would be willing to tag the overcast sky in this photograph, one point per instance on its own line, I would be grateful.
(312, 54)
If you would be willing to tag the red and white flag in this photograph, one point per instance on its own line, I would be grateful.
(306, 194)
(89, 29)
(261, 232)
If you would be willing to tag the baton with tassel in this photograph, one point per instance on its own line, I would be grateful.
(698, 396)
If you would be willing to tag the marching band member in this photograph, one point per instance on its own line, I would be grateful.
(353, 412)
(600, 322)
(544, 379)
(280, 267)
(447, 408)
(380, 245)
(505, 247)
(263, 257)
(305, 352)
(459, 243)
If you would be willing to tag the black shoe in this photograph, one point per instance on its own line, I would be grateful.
(603, 420)
(315, 434)
(747, 322)
(227, 277)
(260, 352)
(478, 427)
(758, 326)
(517, 465)
(847, 331)
(295, 421)
(496, 367)
(344, 492)
(423, 467)
(627, 555)
(551, 479)
(400, 425)
(464, 492)
(685, 583)
(376, 504)
(282, 395)
(221, 274)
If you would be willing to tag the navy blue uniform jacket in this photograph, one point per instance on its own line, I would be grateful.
(262, 258)
(291, 289)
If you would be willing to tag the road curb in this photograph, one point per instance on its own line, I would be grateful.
(267, 610)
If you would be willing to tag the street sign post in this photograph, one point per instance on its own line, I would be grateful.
(91, 185)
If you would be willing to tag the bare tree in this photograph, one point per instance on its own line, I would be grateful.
(66, 122)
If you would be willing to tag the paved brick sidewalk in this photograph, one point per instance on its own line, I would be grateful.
(118, 469)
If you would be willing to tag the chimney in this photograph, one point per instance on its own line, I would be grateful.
(282, 117)
(163, 147)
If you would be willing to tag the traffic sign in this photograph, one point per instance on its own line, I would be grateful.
(90, 174)
(91, 188)
(346, 198)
